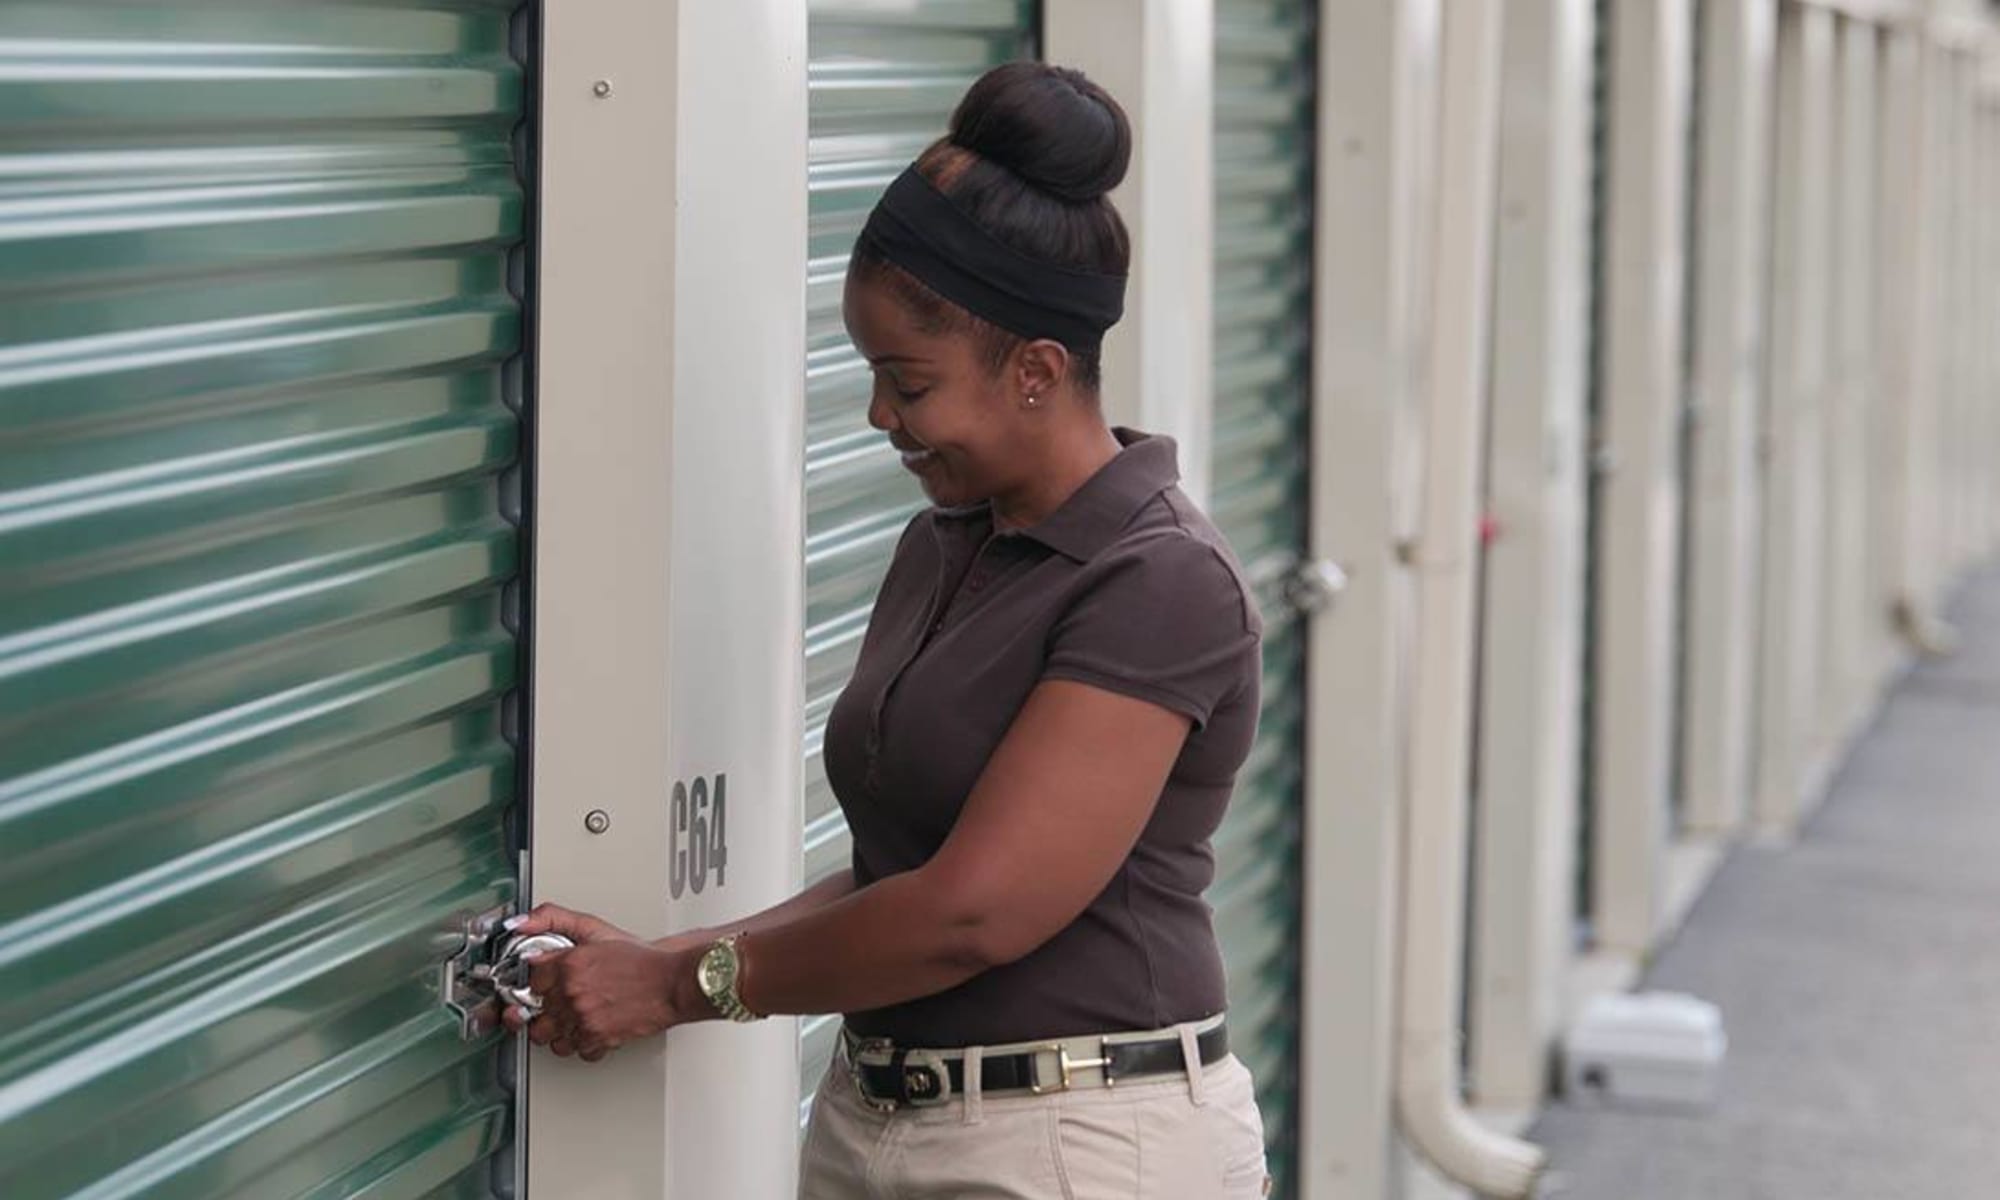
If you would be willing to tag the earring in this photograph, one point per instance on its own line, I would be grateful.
(1033, 402)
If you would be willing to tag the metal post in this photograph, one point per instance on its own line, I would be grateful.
(1633, 668)
(1378, 64)
(1851, 388)
(1793, 611)
(1532, 614)
(670, 375)
(1738, 61)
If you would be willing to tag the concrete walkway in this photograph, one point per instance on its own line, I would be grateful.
(1859, 975)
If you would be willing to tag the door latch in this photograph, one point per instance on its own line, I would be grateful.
(1314, 584)
(486, 975)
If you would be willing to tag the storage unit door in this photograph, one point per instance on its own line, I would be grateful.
(1263, 309)
(256, 347)
(884, 79)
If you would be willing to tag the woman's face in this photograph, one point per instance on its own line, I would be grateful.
(957, 422)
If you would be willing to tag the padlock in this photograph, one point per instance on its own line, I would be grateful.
(510, 974)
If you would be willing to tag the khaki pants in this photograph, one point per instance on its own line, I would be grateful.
(1170, 1137)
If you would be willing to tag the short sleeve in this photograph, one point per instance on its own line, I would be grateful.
(1168, 622)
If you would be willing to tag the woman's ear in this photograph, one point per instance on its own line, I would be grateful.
(1041, 368)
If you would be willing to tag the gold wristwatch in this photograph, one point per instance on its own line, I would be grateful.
(717, 974)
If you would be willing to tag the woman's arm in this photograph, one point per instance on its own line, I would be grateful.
(1053, 816)
(814, 898)
(583, 929)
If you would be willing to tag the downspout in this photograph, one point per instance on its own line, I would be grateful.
(1429, 1105)
(1927, 633)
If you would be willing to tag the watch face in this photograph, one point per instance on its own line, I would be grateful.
(717, 971)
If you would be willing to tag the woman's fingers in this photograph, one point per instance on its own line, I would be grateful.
(545, 971)
(597, 998)
(549, 918)
(545, 1030)
(578, 927)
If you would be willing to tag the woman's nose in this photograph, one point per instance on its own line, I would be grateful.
(881, 413)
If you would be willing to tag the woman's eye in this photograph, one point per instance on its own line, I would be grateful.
(911, 397)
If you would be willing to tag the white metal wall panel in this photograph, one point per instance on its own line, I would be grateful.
(1374, 219)
(1851, 623)
(670, 329)
(1639, 426)
(1793, 607)
(1531, 618)
(1738, 40)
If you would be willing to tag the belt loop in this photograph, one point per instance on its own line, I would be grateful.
(975, 1093)
(1191, 1057)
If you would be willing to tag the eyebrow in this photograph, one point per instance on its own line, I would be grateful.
(886, 359)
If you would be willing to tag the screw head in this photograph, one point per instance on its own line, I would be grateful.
(601, 88)
(597, 820)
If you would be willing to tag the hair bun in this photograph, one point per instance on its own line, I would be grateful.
(1052, 126)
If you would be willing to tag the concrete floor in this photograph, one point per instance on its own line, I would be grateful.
(1858, 971)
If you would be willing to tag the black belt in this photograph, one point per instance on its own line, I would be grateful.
(919, 1077)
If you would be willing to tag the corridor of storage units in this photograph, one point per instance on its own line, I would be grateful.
(1600, 395)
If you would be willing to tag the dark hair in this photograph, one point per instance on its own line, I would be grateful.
(1033, 149)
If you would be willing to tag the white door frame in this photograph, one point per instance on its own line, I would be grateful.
(1525, 857)
(668, 593)
(1638, 542)
(1790, 755)
(1897, 422)
(1376, 133)
(1847, 633)
(1739, 49)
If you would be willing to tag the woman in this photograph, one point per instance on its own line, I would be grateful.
(1057, 688)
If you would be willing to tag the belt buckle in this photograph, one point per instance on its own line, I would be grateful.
(855, 1048)
(925, 1080)
(1066, 1065)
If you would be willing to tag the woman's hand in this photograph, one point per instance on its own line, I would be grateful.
(578, 927)
(613, 988)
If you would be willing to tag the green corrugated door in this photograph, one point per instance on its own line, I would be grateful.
(255, 347)
(884, 80)
(1263, 312)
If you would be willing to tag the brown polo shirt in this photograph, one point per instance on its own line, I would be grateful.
(1127, 587)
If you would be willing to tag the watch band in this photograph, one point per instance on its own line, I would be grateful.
(726, 998)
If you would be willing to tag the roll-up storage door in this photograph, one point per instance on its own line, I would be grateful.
(255, 429)
(884, 79)
(1263, 312)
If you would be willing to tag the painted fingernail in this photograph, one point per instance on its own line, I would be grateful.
(520, 1015)
(528, 956)
(515, 922)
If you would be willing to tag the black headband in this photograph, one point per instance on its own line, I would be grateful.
(919, 229)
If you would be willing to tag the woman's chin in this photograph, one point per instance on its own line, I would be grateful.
(940, 491)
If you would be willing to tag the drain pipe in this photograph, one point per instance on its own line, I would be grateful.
(1429, 1106)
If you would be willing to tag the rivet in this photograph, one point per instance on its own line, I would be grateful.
(601, 88)
(597, 820)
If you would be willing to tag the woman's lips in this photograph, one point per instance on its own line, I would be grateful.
(917, 460)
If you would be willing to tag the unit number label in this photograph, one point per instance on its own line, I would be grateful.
(698, 835)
